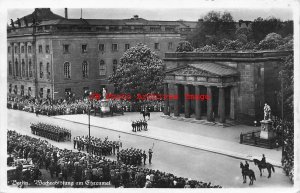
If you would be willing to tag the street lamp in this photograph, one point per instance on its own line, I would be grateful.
(88, 95)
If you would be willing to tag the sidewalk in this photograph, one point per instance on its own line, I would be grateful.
(182, 137)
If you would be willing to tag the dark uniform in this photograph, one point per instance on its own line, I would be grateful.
(263, 160)
(144, 157)
(150, 155)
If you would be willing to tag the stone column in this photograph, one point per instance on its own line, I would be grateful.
(19, 59)
(26, 59)
(221, 105)
(176, 102)
(233, 92)
(166, 99)
(209, 104)
(12, 58)
(197, 103)
(187, 102)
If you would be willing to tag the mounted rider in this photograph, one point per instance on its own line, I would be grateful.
(263, 161)
(246, 166)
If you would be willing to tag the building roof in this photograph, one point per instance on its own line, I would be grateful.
(41, 14)
(209, 69)
(218, 69)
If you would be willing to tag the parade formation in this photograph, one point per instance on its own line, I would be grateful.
(51, 132)
(82, 169)
(215, 96)
(97, 146)
(139, 125)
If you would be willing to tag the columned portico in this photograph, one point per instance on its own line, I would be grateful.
(186, 82)
(221, 105)
(176, 102)
(233, 98)
(209, 104)
(197, 103)
(187, 102)
(166, 99)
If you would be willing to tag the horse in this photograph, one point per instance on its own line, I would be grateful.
(263, 166)
(247, 172)
(145, 114)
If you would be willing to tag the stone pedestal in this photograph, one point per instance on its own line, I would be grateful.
(266, 129)
(105, 106)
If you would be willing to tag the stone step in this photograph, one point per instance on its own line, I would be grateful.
(204, 122)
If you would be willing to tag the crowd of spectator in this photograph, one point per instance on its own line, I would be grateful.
(52, 132)
(81, 167)
(78, 106)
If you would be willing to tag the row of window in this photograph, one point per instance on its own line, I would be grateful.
(29, 50)
(27, 71)
(84, 48)
(102, 69)
(24, 71)
(29, 91)
(114, 47)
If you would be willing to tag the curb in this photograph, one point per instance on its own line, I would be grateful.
(204, 148)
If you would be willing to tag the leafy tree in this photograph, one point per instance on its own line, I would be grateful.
(286, 75)
(249, 46)
(261, 27)
(184, 46)
(287, 43)
(233, 45)
(207, 48)
(244, 31)
(140, 70)
(213, 27)
(270, 42)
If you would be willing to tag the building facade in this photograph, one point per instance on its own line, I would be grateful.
(49, 55)
(238, 84)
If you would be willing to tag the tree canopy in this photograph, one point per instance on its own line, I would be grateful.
(184, 46)
(140, 70)
(213, 27)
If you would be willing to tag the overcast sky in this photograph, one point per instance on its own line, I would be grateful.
(160, 14)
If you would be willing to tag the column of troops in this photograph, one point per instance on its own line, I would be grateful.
(51, 132)
(76, 167)
(134, 156)
(139, 125)
(97, 146)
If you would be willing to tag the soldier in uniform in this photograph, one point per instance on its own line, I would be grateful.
(263, 160)
(144, 157)
(150, 155)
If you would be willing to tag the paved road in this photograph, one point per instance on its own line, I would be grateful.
(176, 159)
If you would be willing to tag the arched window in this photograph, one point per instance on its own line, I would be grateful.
(23, 67)
(84, 69)
(102, 68)
(115, 63)
(9, 68)
(30, 68)
(67, 70)
(48, 69)
(10, 88)
(41, 70)
(17, 67)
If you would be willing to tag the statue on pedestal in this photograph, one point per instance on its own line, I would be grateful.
(267, 112)
(104, 93)
(266, 124)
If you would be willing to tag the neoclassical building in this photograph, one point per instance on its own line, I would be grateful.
(238, 84)
(48, 55)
